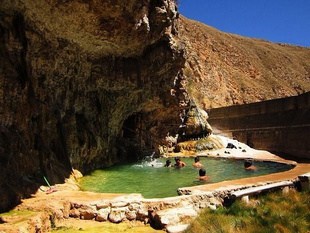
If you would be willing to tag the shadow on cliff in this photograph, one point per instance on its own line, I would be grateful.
(25, 168)
(13, 189)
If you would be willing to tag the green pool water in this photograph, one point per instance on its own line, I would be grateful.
(153, 180)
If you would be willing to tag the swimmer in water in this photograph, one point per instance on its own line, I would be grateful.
(197, 163)
(168, 163)
(202, 175)
(179, 163)
(248, 165)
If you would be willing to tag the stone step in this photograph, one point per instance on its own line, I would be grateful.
(177, 228)
(173, 217)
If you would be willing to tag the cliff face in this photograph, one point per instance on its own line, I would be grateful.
(83, 84)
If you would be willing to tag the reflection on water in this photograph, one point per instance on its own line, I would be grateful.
(152, 179)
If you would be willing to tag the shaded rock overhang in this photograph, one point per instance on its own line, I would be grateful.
(74, 76)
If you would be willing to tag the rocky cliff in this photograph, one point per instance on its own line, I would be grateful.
(86, 84)
(83, 84)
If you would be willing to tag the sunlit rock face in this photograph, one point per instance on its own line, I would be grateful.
(194, 124)
(83, 84)
(224, 69)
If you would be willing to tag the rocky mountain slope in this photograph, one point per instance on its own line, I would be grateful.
(225, 69)
(87, 84)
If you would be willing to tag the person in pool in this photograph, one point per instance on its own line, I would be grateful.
(197, 163)
(168, 163)
(179, 163)
(248, 165)
(202, 175)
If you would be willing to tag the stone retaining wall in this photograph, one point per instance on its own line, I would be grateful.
(280, 125)
(161, 213)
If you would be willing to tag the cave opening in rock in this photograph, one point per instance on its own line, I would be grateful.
(133, 141)
(131, 127)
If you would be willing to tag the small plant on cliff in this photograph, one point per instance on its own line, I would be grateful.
(275, 212)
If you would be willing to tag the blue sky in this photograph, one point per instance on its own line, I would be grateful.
(285, 21)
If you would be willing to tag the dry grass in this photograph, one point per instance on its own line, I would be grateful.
(275, 212)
